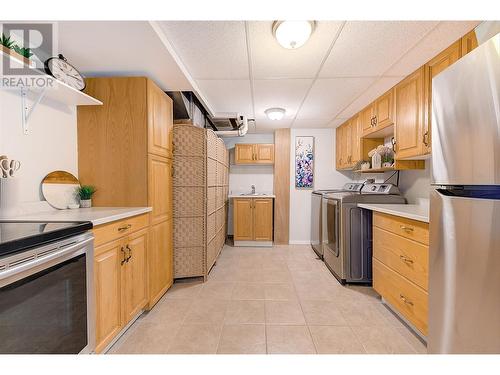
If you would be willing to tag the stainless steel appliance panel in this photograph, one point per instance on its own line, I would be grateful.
(466, 119)
(464, 280)
(332, 229)
(316, 227)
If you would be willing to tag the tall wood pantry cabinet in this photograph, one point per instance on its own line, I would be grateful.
(125, 150)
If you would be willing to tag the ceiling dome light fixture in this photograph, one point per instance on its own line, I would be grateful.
(275, 113)
(293, 34)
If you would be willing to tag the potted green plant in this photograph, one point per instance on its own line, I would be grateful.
(85, 193)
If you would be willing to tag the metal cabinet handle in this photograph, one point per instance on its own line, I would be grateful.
(129, 253)
(406, 259)
(121, 229)
(124, 256)
(374, 120)
(405, 300)
(425, 139)
(407, 229)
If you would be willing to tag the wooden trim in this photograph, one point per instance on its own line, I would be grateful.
(282, 186)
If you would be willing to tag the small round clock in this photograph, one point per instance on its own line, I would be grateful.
(63, 71)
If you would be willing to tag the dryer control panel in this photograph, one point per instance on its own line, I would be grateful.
(380, 188)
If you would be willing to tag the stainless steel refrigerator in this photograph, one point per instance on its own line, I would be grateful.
(464, 260)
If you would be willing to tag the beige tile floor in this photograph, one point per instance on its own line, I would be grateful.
(268, 300)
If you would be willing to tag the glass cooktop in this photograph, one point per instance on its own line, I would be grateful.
(16, 236)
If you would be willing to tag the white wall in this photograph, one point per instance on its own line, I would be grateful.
(241, 177)
(50, 145)
(325, 176)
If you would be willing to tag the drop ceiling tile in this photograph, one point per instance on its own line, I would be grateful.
(330, 96)
(369, 95)
(312, 124)
(369, 48)
(337, 122)
(283, 93)
(210, 49)
(266, 125)
(270, 60)
(437, 40)
(228, 95)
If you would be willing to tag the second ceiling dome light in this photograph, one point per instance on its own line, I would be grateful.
(293, 34)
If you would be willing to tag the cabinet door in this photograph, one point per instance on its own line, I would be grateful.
(263, 219)
(410, 119)
(338, 147)
(134, 273)
(160, 188)
(243, 220)
(160, 254)
(264, 153)
(384, 110)
(160, 121)
(433, 68)
(107, 280)
(365, 118)
(243, 153)
(468, 42)
(355, 141)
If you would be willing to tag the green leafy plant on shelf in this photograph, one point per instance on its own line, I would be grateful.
(26, 52)
(85, 192)
(6, 41)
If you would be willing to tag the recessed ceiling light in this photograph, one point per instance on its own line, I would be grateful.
(275, 113)
(292, 34)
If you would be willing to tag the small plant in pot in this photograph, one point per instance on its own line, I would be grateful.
(85, 193)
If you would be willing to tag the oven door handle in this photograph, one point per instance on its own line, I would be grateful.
(39, 264)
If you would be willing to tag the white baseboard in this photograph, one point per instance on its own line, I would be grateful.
(300, 242)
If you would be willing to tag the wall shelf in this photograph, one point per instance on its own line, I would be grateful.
(57, 91)
(378, 170)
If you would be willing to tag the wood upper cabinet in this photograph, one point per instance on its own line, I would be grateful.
(161, 269)
(432, 69)
(253, 219)
(378, 115)
(366, 120)
(384, 110)
(107, 280)
(243, 219)
(133, 275)
(260, 153)
(356, 150)
(263, 219)
(348, 144)
(160, 121)
(468, 43)
(264, 153)
(339, 136)
(411, 103)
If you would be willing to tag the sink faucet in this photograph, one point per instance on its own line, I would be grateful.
(253, 189)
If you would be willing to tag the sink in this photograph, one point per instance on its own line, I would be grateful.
(253, 194)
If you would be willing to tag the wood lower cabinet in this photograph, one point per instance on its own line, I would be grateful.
(258, 153)
(107, 280)
(401, 266)
(120, 278)
(253, 219)
(263, 219)
(134, 275)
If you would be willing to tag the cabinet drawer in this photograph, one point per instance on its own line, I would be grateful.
(406, 257)
(412, 229)
(117, 229)
(409, 299)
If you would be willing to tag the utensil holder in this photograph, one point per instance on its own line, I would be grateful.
(9, 195)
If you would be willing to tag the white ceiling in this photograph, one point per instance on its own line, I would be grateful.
(237, 66)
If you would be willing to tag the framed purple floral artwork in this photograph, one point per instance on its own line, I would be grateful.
(304, 162)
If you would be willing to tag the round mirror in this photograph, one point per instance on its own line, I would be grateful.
(59, 189)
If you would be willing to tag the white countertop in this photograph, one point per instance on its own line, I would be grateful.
(243, 195)
(96, 215)
(419, 212)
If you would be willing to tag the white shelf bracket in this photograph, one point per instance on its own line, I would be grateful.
(26, 109)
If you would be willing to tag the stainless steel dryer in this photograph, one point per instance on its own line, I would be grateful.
(347, 229)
